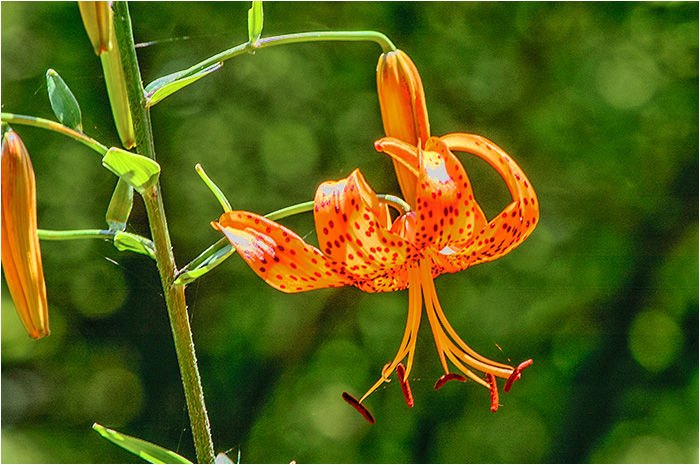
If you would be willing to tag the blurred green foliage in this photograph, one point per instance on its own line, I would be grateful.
(598, 102)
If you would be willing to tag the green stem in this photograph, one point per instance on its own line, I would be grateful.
(42, 123)
(303, 37)
(153, 201)
(218, 193)
(69, 235)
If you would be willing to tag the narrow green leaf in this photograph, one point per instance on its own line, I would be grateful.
(124, 241)
(63, 102)
(167, 85)
(255, 21)
(138, 171)
(144, 449)
(206, 266)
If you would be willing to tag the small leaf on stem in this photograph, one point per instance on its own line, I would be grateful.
(120, 205)
(63, 102)
(255, 21)
(138, 171)
(144, 449)
(167, 85)
(124, 241)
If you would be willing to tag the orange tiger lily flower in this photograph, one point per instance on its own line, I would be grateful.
(362, 247)
(21, 255)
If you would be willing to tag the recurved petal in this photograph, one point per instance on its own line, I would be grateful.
(349, 224)
(446, 212)
(278, 255)
(513, 225)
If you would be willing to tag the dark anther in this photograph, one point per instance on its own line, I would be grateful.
(449, 377)
(516, 374)
(405, 388)
(358, 406)
(493, 390)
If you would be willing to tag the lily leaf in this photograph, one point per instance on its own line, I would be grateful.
(120, 205)
(167, 85)
(63, 102)
(125, 241)
(206, 266)
(138, 171)
(255, 21)
(146, 450)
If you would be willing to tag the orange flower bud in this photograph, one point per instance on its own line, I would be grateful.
(21, 255)
(404, 114)
(97, 19)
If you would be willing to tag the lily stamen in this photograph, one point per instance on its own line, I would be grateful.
(449, 377)
(493, 391)
(516, 374)
(405, 387)
(358, 406)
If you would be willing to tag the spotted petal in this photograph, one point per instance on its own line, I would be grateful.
(350, 224)
(278, 255)
(513, 225)
(446, 211)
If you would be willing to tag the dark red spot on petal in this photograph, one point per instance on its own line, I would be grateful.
(405, 387)
(358, 406)
(516, 374)
(449, 377)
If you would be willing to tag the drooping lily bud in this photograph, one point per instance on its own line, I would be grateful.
(118, 96)
(404, 114)
(21, 255)
(97, 19)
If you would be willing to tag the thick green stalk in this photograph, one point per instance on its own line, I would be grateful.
(174, 294)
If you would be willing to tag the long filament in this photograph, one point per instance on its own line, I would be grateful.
(408, 342)
(430, 289)
(438, 335)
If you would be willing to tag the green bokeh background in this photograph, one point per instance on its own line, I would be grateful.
(598, 102)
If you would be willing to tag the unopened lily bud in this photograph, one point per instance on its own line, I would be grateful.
(404, 114)
(21, 255)
(97, 19)
(118, 97)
